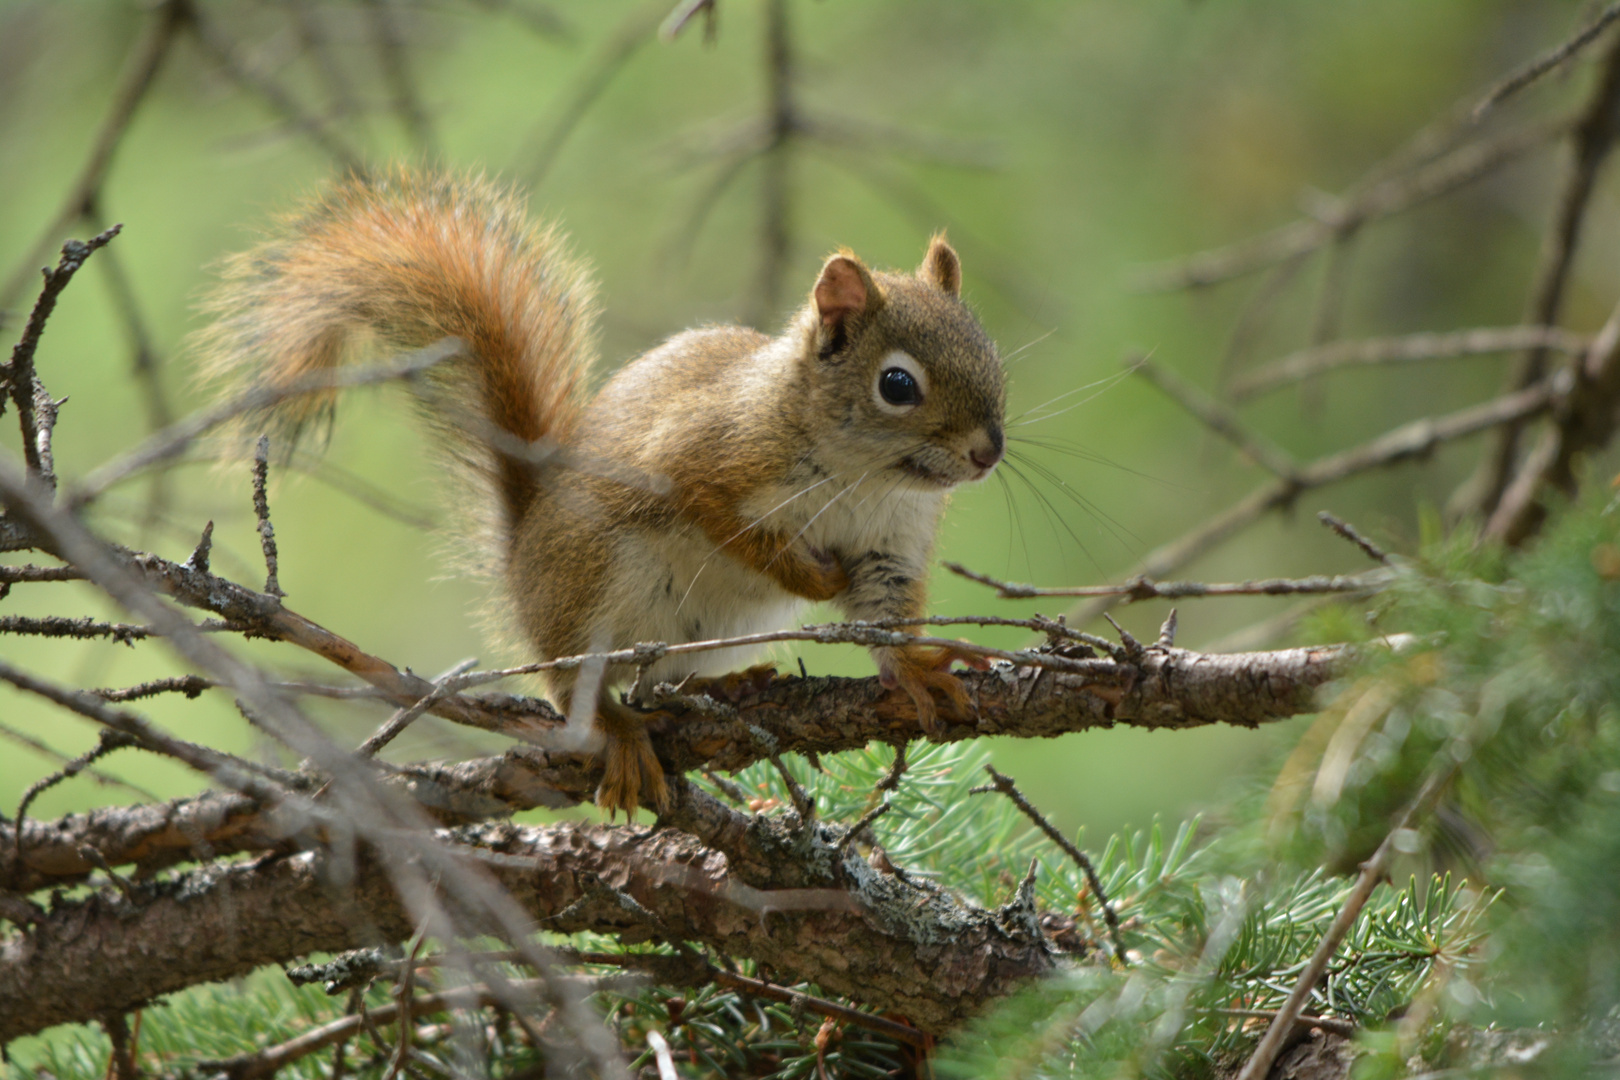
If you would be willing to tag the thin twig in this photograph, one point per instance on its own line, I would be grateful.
(45, 749)
(1145, 588)
(897, 769)
(1330, 1024)
(271, 1059)
(802, 802)
(145, 58)
(1350, 533)
(1382, 199)
(12, 575)
(404, 995)
(1409, 348)
(544, 145)
(1408, 441)
(189, 685)
(391, 55)
(1547, 61)
(865, 634)
(110, 741)
(222, 50)
(1218, 418)
(175, 438)
(402, 719)
(1583, 423)
(776, 185)
(822, 1007)
(1593, 138)
(855, 830)
(1004, 784)
(61, 626)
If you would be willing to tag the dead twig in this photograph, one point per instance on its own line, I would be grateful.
(1548, 61)
(545, 143)
(1382, 199)
(1331, 1025)
(402, 719)
(1218, 418)
(1004, 784)
(105, 779)
(174, 439)
(1409, 348)
(146, 57)
(1144, 588)
(223, 52)
(64, 627)
(36, 409)
(1408, 441)
(1349, 532)
(11, 575)
(1583, 421)
(261, 511)
(388, 40)
(110, 741)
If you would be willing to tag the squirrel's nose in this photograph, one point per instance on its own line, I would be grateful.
(987, 448)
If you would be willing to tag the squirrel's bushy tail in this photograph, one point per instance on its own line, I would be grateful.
(402, 260)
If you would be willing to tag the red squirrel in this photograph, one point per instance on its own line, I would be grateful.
(813, 465)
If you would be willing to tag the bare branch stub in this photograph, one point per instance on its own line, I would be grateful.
(261, 510)
(1384, 197)
(1352, 534)
(36, 409)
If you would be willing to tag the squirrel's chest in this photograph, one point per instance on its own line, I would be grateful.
(886, 514)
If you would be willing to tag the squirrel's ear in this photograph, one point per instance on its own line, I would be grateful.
(845, 288)
(940, 267)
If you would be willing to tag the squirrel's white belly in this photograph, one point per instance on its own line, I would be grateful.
(675, 587)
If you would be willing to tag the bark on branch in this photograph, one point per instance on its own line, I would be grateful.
(762, 888)
(1163, 687)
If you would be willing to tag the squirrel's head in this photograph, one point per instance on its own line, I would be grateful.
(903, 368)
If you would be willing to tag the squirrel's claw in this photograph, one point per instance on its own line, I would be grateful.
(630, 769)
(921, 670)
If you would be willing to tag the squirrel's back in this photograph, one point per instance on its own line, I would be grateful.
(404, 259)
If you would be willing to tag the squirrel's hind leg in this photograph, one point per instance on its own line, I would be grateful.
(630, 769)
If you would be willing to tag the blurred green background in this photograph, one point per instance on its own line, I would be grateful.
(1063, 144)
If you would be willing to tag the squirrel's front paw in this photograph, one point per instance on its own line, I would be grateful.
(630, 769)
(817, 574)
(920, 670)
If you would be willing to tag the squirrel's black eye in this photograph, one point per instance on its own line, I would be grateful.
(898, 387)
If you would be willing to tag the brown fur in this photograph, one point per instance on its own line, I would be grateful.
(774, 468)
